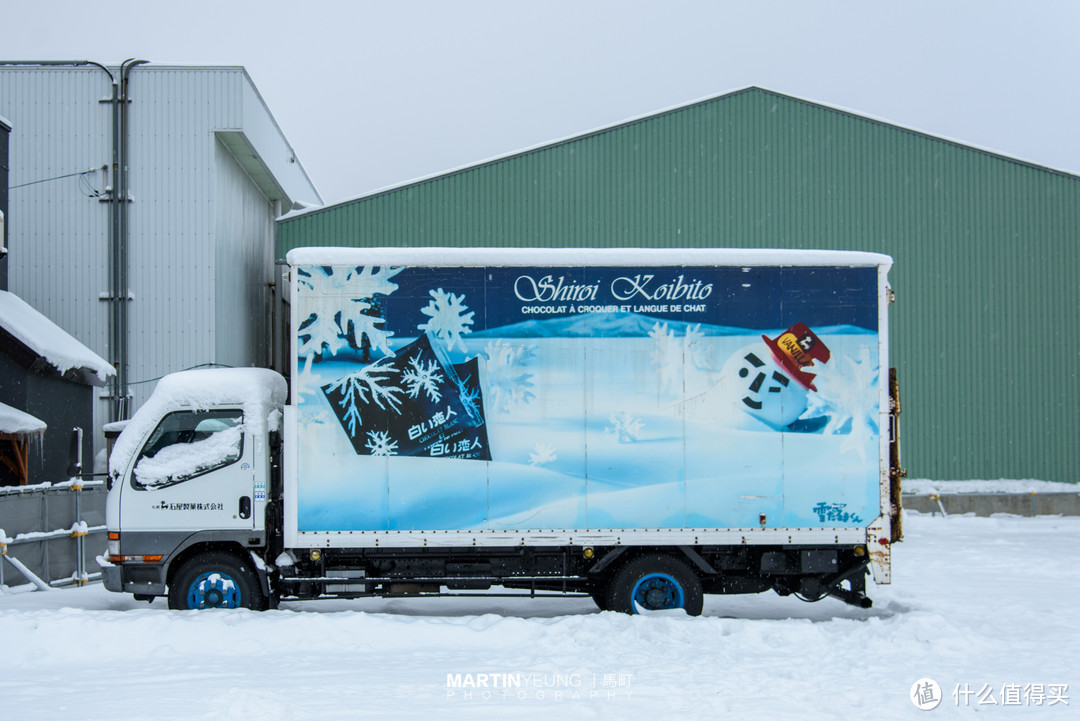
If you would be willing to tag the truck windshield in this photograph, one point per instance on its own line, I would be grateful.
(187, 444)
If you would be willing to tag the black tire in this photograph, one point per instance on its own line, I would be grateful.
(659, 582)
(216, 580)
(599, 597)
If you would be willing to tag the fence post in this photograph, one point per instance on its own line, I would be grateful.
(76, 470)
(935, 498)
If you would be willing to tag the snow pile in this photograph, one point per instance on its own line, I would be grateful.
(967, 619)
(257, 391)
(923, 487)
(16, 422)
(183, 460)
(47, 339)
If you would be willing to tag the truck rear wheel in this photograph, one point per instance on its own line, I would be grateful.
(655, 583)
(215, 580)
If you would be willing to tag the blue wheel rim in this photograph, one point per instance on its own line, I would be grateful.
(657, 592)
(214, 589)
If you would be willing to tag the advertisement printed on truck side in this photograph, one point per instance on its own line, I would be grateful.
(503, 398)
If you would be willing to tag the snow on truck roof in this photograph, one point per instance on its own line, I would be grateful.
(475, 257)
(257, 391)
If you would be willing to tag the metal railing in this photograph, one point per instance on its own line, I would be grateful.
(51, 532)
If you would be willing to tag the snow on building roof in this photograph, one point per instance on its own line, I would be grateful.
(49, 341)
(116, 427)
(17, 422)
(258, 391)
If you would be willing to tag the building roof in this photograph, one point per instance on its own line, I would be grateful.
(19, 423)
(301, 212)
(39, 345)
(256, 141)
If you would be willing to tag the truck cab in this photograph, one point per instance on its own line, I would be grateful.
(190, 479)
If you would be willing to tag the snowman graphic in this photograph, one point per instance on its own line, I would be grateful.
(768, 382)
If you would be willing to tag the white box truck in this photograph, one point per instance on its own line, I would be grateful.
(641, 426)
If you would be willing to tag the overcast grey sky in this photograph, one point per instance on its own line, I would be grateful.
(376, 94)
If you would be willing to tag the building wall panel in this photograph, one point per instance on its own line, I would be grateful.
(197, 265)
(243, 233)
(59, 128)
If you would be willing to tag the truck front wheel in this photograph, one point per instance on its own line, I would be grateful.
(655, 583)
(215, 580)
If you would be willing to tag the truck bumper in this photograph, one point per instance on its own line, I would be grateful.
(144, 580)
(110, 578)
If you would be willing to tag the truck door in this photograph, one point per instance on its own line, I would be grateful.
(196, 471)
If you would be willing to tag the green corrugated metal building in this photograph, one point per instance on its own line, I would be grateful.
(985, 329)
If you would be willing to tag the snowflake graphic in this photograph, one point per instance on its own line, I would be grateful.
(694, 349)
(681, 362)
(448, 319)
(361, 323)
(847, 393)
(305, 382)
(470, 396)
(358, 282)
(507, 382)
(625, 426)
(379, 444)
(423, 377)
(666, 355)
(332, 325)
(542, 455)
(318, 334)
(366, 386)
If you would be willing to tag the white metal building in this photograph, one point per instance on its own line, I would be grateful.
(179, 274)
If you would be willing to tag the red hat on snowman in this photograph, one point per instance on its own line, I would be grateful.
(795, 350)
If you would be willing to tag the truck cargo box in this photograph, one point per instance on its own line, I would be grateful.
(501, 397)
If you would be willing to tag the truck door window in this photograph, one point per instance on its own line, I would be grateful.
(187, 444)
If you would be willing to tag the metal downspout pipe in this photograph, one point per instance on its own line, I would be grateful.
(120, 294)
(114, 233)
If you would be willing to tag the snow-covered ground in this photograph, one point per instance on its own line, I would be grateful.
(924, 487)
(985, 606)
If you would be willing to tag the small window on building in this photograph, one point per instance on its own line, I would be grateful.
(187, 444)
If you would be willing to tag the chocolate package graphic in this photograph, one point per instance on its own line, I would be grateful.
(412, 404)
(469, 442)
